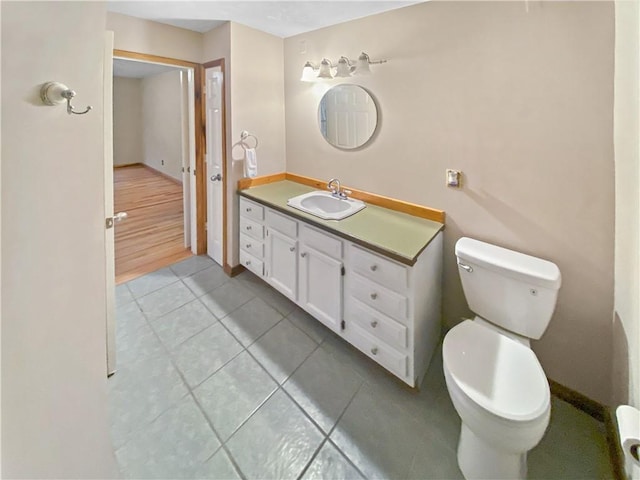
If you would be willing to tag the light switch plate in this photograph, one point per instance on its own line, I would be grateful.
(453, 178)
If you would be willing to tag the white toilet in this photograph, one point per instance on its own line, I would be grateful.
(495, 381)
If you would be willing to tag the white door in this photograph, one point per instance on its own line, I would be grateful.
(213, 79)
(108, 203)
(320, 291)
(282, 263)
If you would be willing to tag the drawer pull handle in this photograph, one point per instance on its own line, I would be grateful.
(373, 268)
(248, 245)
(374, 351)
(248, 262)
(248, 227)
(374, 324)
(374, 296)
(303, 254)
(248, 209)
(292, 249)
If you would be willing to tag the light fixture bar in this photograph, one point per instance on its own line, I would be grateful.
(343, 68)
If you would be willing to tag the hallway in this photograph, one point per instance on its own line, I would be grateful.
(152, 236)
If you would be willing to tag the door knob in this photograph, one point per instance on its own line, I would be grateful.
(216, 178)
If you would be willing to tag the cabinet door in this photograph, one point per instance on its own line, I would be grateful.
(282, 263)
(321, 286)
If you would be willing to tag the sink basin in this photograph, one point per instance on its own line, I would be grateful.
(325, 205)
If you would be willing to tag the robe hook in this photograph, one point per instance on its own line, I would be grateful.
(55, 93)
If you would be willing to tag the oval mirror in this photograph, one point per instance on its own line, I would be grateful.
(347, 116)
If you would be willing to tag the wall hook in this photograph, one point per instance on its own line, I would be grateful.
(56, 93)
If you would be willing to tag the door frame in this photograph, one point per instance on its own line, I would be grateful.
(200, 181)
(223, 105)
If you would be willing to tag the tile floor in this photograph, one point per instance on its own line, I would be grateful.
(226, 378)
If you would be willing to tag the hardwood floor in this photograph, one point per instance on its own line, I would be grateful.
(152, 236)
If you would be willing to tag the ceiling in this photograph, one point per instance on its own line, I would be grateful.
(134, 69)
(281, 18)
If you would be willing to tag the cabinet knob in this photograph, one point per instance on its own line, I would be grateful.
(248, 227)
(248, 262)
(374, 296)
(374, 351)
(248, 209)
(373, 268)
(303, 254)
(374, 324)
(292, 249)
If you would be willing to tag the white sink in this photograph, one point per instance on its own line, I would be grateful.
(325, 205)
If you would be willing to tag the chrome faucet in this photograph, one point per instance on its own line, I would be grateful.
(336, 190)
(334, 187)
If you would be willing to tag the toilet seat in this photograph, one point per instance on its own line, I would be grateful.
(499, 374)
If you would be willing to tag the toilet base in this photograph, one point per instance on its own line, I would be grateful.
(479, 460)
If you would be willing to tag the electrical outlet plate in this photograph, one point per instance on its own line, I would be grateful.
(453, 178)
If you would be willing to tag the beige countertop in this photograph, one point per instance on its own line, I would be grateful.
(394, 234)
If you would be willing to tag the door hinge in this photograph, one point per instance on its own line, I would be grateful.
(109, 222)
(342, 270)
(342, 325)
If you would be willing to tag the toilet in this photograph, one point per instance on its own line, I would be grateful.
(495, 380)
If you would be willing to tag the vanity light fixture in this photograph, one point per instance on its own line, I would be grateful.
(325, 70)
(309, 72)
(341, 69)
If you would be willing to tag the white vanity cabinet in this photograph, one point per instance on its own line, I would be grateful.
(252, 236)
(388, 310)
(281, 269)
(392, 311)
(320, 276)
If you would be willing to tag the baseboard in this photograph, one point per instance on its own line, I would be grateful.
(616, 456)
(125, 165)
(168, 177)
(578, 400)
(601, 413)
(233, 271)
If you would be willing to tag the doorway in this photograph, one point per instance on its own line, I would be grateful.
(154, 155)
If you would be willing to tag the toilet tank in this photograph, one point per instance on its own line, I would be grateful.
(515, 291)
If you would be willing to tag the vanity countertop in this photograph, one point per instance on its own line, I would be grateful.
(397, 235)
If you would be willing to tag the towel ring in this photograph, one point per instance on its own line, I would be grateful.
(244, 135)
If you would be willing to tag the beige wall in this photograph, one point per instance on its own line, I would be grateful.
(256, 104)
(127, 121)
(626, 329)
(153, 38)
(54, 385)
(521, 102)
(162, 96)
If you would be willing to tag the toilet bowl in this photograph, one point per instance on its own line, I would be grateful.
(494, 379)
(501, 394)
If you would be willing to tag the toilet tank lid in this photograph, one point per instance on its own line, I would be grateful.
(532, 269)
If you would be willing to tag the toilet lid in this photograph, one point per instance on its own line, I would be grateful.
(498, 373)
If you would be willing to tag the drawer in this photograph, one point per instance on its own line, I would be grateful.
(251, 228)
(376, 323)
(382, 353)
(321, 241)
(378, 297)
(252, 246)
(251, 209)
(252, 263)
(284, 225)
(379, 269)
